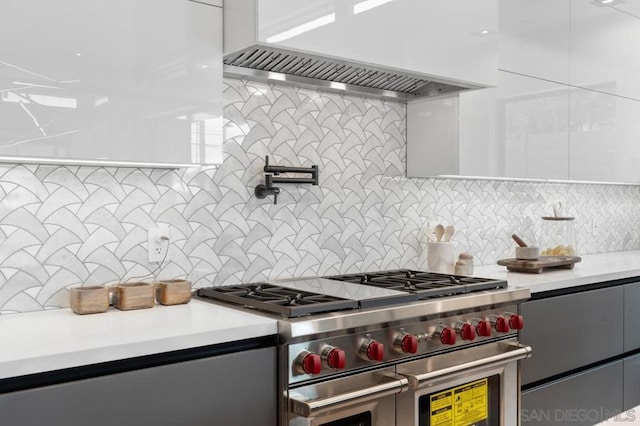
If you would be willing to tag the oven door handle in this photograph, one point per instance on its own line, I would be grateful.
(513, 352)
(311, 408)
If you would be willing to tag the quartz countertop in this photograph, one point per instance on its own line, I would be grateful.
(593, 268)
(50, 340)
(55, 339)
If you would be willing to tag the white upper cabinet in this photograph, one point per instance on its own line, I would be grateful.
(119, 81)
(604, 137)
(585, 43)
(518, 130)
(456, 39)
(535, 38)
(605, 55)
(566, 105)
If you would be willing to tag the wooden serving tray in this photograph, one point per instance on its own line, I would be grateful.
(539, 265)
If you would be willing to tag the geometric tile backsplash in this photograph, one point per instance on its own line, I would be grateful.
(64, 226)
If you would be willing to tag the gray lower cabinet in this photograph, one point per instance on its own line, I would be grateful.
(582, 399)
(571, 331)
(231, 389)
(632, 316)
(632, 382)
(585, 366)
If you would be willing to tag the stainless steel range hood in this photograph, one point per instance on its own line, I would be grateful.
(331, 45)
(263, 62)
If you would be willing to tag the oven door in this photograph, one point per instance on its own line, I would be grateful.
(366, 399)
(477, 386)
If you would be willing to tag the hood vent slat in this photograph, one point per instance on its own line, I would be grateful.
(318, 69)
(277, 66)
(264, 62)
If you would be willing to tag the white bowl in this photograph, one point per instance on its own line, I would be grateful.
(527, 253)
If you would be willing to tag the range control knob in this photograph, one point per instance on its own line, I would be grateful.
(500, 323)
(467, 330)
(372, 350)
(309, 363)
(447, 335)
(406, 343)
(334, 358)
(515, 321)
(483, 327)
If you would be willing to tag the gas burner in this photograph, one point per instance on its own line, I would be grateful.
(296, 300)
(287, 302)
(408, 285)
(424, 284)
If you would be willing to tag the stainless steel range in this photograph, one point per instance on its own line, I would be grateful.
(399, 347)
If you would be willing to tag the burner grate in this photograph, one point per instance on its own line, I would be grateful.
(285, 301)
(424, 284)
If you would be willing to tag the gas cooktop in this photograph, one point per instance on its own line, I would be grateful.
(304, 296)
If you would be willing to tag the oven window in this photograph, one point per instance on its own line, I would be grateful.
(475, 403)
(363, 419)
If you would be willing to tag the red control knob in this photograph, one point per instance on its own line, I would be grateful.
(375, 351)
(516, 322)
(336, 358)
(311, 363)
(447, 336)
(502, 326)
(468, 332)
(483, 327)
(409, 344)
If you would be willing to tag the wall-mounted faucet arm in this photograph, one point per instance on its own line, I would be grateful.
(272, 176)
(276, 170)
(312, 181)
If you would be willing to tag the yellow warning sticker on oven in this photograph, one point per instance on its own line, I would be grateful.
(460, 406)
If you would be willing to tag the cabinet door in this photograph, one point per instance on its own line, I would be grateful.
(604, 137)
(521, 126)
(236, 389)
(120, 80)
(631, 382)
(535, 38)
(631, 317)
(571, 331)
(519, 129)
(604, 52)
(582, 399)
(457, 39)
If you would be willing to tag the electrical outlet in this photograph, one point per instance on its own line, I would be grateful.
(158, 244)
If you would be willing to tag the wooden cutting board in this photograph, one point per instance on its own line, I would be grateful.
(539, 265)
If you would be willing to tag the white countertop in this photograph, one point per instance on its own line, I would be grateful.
(50, 340)
(593, 268)
(55, 339)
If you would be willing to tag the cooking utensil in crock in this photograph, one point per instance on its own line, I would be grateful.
(448, 233)
(518, 240)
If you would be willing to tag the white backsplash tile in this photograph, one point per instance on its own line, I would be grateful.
(65, 226)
